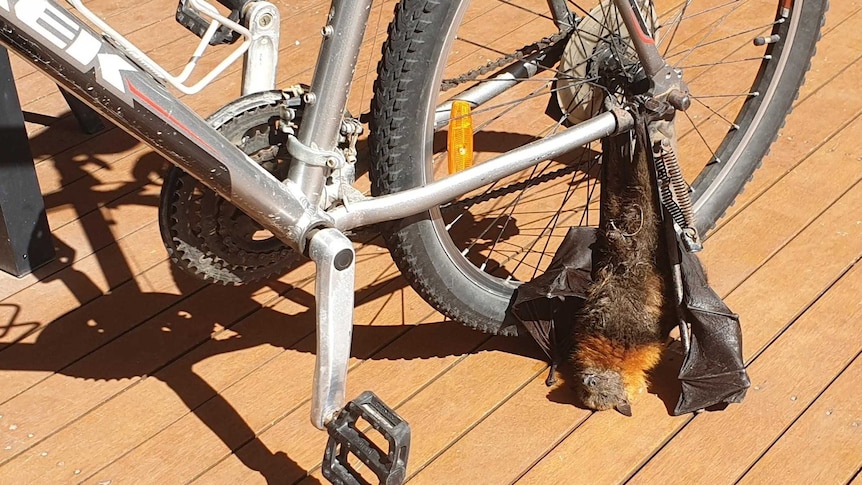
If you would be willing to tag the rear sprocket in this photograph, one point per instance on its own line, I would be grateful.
(207, 236)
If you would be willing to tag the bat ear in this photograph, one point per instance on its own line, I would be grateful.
(623, 407)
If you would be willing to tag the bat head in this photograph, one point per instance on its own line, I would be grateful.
(602, 389)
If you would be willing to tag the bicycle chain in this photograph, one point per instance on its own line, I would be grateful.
(505, 60)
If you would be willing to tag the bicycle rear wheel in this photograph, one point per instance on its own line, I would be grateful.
(467, 257)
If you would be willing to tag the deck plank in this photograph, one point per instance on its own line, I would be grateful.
(834, 71)
(776, 399)
(139, 300)
(130, 372)
(829, 434)
(291, 404)
(791, 292)
(441, 411)
(91, 276)
(787, 209)
(535, 418)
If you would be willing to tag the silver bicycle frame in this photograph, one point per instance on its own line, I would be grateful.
(106, 78)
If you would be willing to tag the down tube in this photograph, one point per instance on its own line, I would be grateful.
(60, 45)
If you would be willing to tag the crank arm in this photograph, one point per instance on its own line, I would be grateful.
(334, 258)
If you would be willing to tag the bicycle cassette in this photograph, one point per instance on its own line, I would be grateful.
(599, 43)
(207, 236)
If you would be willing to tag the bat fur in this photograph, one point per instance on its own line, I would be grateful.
(622, 329)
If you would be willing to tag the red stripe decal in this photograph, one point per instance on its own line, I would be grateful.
(645, 38)
(168, 116)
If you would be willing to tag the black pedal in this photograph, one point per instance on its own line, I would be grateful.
(198, 25)
(345, 439)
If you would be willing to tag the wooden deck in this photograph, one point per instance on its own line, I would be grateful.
(116, 368)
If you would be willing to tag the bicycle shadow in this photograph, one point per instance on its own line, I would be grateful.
(134, 331)
(83, 343)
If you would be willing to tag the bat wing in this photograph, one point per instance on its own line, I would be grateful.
(545, 305)
(713, 372)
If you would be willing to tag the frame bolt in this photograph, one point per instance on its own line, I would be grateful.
(679, 100)
(327, 31)
(265, 20)
(309, 98)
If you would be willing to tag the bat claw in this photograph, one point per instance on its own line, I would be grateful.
(552, 376)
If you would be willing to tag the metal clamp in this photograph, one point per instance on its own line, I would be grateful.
(311, 155)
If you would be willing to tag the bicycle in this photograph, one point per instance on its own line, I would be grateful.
(464, 227)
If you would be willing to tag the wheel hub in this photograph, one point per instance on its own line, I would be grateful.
(599, 58)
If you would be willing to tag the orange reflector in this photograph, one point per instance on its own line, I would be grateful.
(460, 140)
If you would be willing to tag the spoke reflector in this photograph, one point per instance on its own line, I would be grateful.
(460, 139)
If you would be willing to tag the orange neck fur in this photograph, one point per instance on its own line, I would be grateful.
(631, 363)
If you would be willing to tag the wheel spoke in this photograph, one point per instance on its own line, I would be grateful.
(509, 229)
(727, 37)
(722, 63)
(697, 130)
(714, 27)
(676, 24)
(732, 124)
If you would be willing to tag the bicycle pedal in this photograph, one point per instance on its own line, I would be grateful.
(345, 438)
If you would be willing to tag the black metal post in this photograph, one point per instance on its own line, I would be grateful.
(25, 239)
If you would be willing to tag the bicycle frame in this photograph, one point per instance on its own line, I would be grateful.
(107, 79)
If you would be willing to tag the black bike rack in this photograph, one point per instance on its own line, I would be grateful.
(25, 238)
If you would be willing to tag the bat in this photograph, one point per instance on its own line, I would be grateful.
(608, 300)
